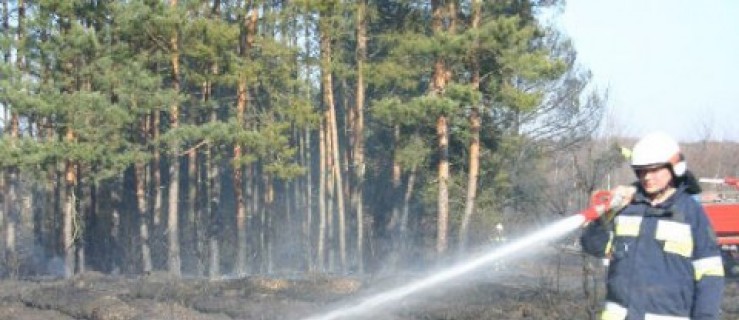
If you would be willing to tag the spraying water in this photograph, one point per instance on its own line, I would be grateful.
(368, 304)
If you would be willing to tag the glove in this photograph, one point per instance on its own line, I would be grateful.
(605, 204)
(621, 197)
(624, 193)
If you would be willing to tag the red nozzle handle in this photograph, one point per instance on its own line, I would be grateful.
(601, 197)
(600, 202)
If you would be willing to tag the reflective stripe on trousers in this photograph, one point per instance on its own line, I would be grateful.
(615, 311)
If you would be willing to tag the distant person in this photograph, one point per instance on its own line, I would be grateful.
(664, 261)
(500, 239)
(499, 233)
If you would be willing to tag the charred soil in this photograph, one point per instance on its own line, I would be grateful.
(511, 294)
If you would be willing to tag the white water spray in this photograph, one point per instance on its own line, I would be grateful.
(368, 304)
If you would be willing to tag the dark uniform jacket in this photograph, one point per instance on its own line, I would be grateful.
(664, 261)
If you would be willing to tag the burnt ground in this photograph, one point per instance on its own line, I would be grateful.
(550, 289)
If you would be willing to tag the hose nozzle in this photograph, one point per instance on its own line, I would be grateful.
(608, 202)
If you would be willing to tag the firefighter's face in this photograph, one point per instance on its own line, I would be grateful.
(655, 179)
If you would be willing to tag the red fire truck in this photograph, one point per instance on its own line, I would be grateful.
(722, 208)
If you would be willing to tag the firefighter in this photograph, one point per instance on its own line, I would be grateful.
(663, 258)
(499, 238)
(499, 235)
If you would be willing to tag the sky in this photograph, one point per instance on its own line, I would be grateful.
(668, 65)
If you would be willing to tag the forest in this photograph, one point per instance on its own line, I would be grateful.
(211, 138)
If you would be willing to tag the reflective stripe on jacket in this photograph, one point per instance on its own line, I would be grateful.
(664, 263)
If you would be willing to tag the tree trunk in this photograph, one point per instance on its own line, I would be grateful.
(331, 217)
(4, 176)
(173, 252)
(322, 196)
(438, 85)
(312, 249)
(70, 213)
(21, 33)
(307, 200)
(475, 123)
(358, 132)
(214, 226)
(84, 206)
(240, 203)
(143, 218)
(192, 230)
(3, 215)
(395, 217)
(6, 29)
(252, 209)
(242, 103)
(52, 208)
(443, 177)
(259, 195)
(473, 174)
(404, 229)
(332, 127)
(268, 222)
(156, 168)
(11, 174)
(116, 254)
(12, 212)
(11, 219)
(173, 240)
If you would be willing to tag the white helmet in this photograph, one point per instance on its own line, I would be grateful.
(658, 148)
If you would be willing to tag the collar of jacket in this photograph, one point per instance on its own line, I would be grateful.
(641, 198)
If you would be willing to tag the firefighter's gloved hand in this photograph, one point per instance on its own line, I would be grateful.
(621, 197)
(605, 204)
